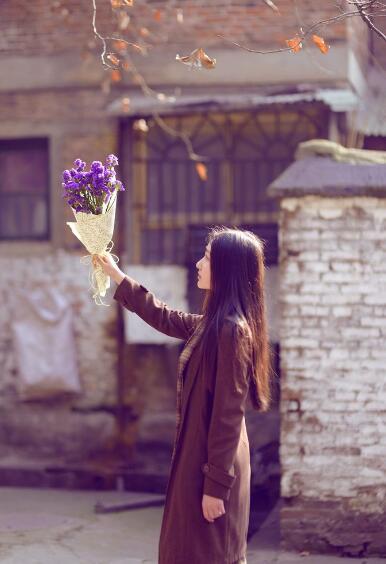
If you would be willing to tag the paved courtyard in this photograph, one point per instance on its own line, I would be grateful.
(45, 526)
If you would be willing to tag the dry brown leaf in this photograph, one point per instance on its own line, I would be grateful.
(121, 3)
(319, 42)
(295, 44)
(202, 171)
(113, 58)
(120, 45)
(115, 76)
(157, 15)
(198, 59)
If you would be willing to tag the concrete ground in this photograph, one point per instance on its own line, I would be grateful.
(51, 526)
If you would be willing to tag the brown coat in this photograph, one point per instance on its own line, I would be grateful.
(212, 448)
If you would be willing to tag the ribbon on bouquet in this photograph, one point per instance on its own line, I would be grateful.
(95, 232)
(98, 279)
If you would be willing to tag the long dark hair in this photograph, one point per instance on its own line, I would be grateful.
(237, 274)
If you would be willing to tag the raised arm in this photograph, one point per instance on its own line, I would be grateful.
(230, 392)
(135, 297)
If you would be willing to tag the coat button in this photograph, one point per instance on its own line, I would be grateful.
(205, 468)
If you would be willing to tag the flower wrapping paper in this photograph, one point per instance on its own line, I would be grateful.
(95, 233)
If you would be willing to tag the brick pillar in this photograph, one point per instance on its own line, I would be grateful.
(333, 362)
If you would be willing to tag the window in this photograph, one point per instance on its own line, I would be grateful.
(24, 189)
(245, 152)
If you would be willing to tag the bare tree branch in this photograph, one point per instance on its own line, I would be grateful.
(366, 18)
(104, 51)
(360, 11)
(365, 9)
(302, 35)
(146, 89)
(139, 79)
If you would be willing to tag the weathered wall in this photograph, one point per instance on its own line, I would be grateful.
(75, 125)
(74, 426)
(52, 44)
(65, 25)
(55, 86)
(333, 359)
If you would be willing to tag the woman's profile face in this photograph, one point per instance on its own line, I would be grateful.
(203, 267)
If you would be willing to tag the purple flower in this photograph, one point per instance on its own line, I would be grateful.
(111, 160)
(89, 191)
(71, 185)
(79, 164)
(95, 166)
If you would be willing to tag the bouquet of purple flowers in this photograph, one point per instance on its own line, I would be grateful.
(91, 191)
(92, 196)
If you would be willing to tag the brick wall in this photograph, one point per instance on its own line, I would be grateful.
(76, 126)
(333, 358)
(42, 27)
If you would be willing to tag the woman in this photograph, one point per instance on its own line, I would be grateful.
(224, 362)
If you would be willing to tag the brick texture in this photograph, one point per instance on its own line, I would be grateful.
(42, 27)
(333, 275)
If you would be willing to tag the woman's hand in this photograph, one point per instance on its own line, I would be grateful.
(212, 507)
(109, 267)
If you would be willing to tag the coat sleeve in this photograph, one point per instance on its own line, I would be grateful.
(230, 394)
(135, 297)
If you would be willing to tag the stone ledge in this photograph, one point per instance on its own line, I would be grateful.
(323, 176)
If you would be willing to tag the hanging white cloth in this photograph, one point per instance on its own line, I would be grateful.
(44, 343)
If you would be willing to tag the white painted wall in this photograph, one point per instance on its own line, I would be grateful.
(169, 284)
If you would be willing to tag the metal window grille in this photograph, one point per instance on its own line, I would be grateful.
(246, 151)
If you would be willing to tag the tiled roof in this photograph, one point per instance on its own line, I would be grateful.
(327, 177)
(338, 99)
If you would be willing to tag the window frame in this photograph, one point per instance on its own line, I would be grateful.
(26, 143)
